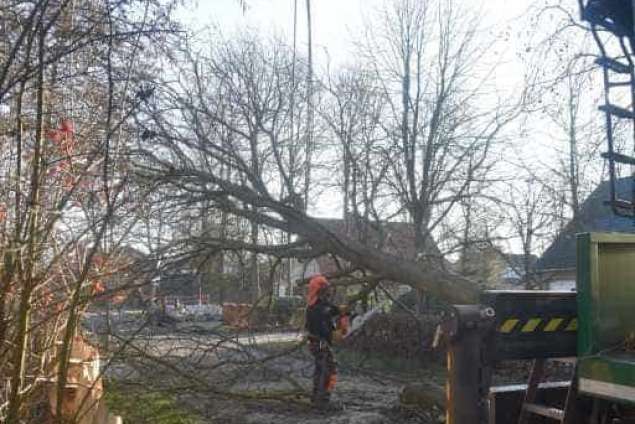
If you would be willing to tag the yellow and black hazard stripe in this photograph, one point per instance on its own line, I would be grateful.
(536, 324)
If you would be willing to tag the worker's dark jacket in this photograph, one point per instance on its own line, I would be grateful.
(320, 320)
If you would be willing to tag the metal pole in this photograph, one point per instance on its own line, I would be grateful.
(468, 377)
(463, 391)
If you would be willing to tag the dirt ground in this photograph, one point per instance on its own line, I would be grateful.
(362, 396)
(221, 377)
(264, 383)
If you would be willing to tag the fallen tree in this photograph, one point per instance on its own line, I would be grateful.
(314, 238)
(215, 147)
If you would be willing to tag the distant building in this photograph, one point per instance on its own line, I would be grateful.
(516, 273)
(557, 266)
(395, 238)
(494, 269)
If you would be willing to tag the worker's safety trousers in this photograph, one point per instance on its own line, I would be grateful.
(325, 373)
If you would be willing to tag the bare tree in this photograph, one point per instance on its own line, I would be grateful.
(242, 90)
(354, 114)
(578, 167)
(424, 55)
(562, 108)
(68, 85)
(527, 210)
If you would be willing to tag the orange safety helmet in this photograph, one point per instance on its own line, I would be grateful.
(316, 284)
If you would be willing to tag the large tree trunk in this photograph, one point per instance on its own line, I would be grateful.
(430, 278)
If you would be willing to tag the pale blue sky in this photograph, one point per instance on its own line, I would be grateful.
(336, 23)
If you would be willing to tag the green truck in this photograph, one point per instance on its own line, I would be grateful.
(592, 329)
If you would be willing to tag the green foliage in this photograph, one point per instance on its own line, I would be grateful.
(142, 406)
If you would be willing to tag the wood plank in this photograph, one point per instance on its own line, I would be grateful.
(537, 371)
(544, 411)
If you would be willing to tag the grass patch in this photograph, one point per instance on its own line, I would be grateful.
(140, 406)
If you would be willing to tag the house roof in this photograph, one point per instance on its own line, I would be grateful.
(393, 237)
(595, 216)
(396, 238)
(516, 261)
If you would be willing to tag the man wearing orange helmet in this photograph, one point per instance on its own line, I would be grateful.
(321, 317)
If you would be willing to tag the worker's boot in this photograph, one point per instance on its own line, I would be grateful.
(318, 398)
(324, 404)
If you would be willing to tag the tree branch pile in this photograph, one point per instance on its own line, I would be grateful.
(397, 335)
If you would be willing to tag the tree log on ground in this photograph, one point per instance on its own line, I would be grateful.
(423, 395)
